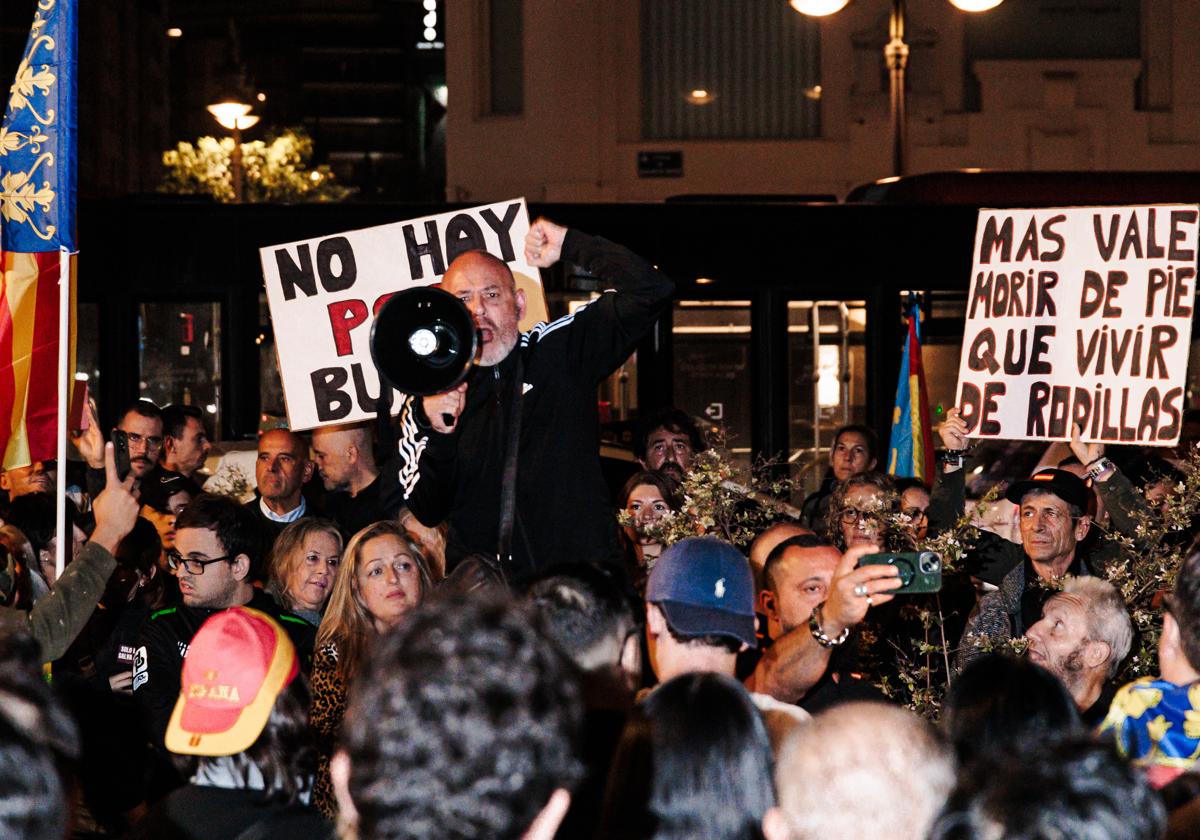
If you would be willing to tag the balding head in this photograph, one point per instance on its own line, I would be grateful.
(765, 543)
(863, 770)
(344, 456)
(487, 288)
(282, 469)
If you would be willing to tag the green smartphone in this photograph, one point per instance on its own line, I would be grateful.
(920, 571)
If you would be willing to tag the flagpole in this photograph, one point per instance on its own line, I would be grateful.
(64, 390)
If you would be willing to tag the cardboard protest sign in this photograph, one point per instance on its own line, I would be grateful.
(324, 292)
(1082, 316)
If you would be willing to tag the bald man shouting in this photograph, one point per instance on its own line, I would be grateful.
(540, 384)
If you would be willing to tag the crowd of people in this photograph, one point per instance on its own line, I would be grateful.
(459, 638)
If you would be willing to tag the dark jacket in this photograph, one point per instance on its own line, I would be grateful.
(164, 641)
(198, 812)
(563, 506)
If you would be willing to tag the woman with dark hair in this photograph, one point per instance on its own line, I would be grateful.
(383, 575)
(647, 497)
(1000, 702)
(861, 511)
(695, 762)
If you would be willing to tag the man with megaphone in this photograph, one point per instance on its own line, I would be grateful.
(510, 456)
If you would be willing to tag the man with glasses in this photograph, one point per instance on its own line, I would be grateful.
(215, 559)
(1053, 505)
(143, 427)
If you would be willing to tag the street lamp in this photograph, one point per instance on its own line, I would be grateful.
(895, 53)
(236, 117)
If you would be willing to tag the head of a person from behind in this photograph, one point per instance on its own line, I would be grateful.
(38, 743)
(38, 477)
(668, 441)
(855, 450)
(143, 427)
(303, 563)
(242, 712)
(589, 615)
(217, 542)
(1179, 645)
(486, 286)
(282, 469)
(163, 498)
(1073, 788)
(345, 457)
(1000, 702)
(694, 761)
(1052, 506)
(185, 439)
(859, 510)
(699, 607)
(914, 502)
(1083, 636)
(472, 717)
(795, 580)
(382, 576)
(863, 771)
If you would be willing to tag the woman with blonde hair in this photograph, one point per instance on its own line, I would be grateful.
(302, 564)
(382, 576)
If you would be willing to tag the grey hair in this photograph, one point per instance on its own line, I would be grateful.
(1107, 616)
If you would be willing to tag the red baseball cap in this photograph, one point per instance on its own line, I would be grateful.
(237, 664)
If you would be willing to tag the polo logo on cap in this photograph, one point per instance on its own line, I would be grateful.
(719, 590)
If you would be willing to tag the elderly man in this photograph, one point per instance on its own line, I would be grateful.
(357, 494)
(1083, 637)
(547, 500)
(1052, 506)
(281, 471)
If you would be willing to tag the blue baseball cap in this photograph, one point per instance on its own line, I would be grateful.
(704, 587)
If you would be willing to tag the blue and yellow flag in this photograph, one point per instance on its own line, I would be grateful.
(911, 446)
(37, 222)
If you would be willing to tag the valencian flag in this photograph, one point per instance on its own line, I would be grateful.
(37, 226)
(912, 437)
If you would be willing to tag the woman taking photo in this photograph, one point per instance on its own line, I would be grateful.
(303, 562)
(382, 576)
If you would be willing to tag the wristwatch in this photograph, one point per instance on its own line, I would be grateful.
(1099, 467)
(814, 627)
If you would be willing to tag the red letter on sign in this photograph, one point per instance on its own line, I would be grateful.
(344, 316)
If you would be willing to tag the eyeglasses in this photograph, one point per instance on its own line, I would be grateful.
(850, 516)
(191, 565)
(152, 442)
(914, 514)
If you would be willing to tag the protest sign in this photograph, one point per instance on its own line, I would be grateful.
(1081, 316)
(324, 292)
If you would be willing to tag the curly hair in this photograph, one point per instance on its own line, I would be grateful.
(463, 724)
(347, 625)
(890, 503)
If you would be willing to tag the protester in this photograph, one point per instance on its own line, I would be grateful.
(998, 703)
(455, 471)
(695, 763)
(163, 498)
(382, 576)
(914, 502)
(357, 493)
(765, 543)
(667, 441)
(1082, 638)
(648, 498)
(855, 450)
(38, 477)
(302, 566)
(863, 771)
(35, 515)
(215, 558)
(241, 713)
(185, 440)
(1058, 789)
(472, 718)
(1153, 721)
(281, 471)
(861, 510)
(142, 424)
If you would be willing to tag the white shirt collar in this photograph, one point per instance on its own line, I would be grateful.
(290, 516)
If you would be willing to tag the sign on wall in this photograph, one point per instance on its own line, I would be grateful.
(324, 292)
(1083, 316)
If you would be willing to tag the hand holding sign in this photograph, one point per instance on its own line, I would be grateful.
(543, 243)
(443, 409)
(954, 431)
